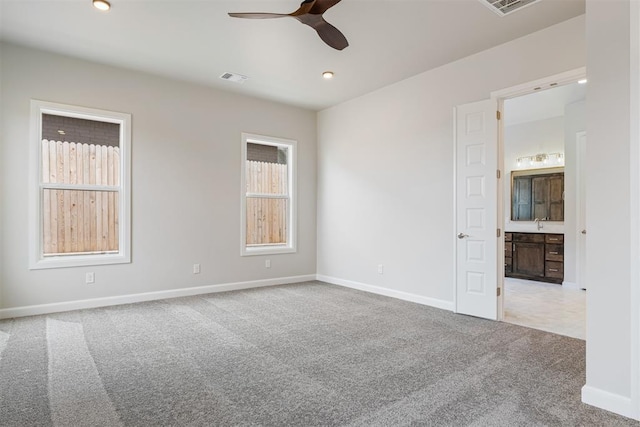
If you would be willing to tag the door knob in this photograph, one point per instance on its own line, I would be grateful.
(584, 232)
(462, 235)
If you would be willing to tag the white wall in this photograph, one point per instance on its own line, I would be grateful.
(523, 140)
(185, 179)
(612, 206)
(385, 177)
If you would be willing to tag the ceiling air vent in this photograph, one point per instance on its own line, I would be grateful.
(232, 77)
(505, 7)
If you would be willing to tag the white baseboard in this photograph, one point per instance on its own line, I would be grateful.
(33, 310)
(609, 401)
(570, 285)
(432, 302)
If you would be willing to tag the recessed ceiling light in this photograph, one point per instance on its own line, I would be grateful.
(327, 75)
(103, 5)
(582, 81)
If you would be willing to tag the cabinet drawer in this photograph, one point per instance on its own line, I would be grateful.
(508, 237)
(554, 252)
(528, 237)
(554, 269)
(554, 238)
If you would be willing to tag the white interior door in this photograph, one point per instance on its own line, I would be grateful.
(476, 199)
(581, 210)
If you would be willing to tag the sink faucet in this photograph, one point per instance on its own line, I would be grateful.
(538, 222)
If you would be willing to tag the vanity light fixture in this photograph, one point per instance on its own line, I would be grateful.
(541, 160)
(102, 5)
(327, 75)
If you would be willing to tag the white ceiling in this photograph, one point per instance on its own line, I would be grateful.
(390, 40)
(542, 105)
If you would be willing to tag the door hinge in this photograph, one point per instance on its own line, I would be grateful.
(498, 232)
(498, 173)
(498, 292)
(498, 115)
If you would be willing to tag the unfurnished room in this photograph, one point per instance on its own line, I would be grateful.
(327, 213)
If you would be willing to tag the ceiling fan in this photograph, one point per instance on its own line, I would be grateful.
(309, 13)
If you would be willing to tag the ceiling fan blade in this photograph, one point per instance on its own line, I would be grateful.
(309, 13)
(321, 6)
(304, 8)
(330, 34)
(257, 15)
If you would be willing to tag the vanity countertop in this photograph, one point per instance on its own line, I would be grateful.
(553, 227)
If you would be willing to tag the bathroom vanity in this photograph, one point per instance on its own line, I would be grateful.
(534, 256)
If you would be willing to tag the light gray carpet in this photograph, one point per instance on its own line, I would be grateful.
(305, 354)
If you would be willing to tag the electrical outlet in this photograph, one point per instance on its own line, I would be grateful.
(90, 278)
(267, 263)
(196, 268)
(380, 269)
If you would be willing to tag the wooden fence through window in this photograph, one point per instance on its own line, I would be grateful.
(79, 221)
(266, 216)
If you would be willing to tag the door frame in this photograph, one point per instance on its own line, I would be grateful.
(499, 97)
(581, 141)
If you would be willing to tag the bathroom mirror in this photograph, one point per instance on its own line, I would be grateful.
(537, 193)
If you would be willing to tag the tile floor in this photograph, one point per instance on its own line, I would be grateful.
(545, 306)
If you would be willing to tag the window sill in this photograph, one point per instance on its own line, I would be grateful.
(267, 250)
(66, 261)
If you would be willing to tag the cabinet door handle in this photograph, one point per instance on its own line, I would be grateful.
(553, 269)
(553, 253)
(553, 239)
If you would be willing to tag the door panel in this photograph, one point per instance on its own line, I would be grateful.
(540, 190)
(556, 198)
(522, 199)
(528, 259)
(476, 209)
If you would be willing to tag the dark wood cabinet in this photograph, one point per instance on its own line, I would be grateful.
(528, 259)
(540, 195)
(556, 198)
(537, 196)
(508, 253)
(535, 256)
(521, 200)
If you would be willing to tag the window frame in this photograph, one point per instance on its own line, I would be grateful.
(37, 260)
(292, 160)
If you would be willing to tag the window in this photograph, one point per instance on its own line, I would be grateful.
(268, 195)
(80, 193)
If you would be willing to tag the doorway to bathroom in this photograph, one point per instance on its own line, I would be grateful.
(543, 135)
